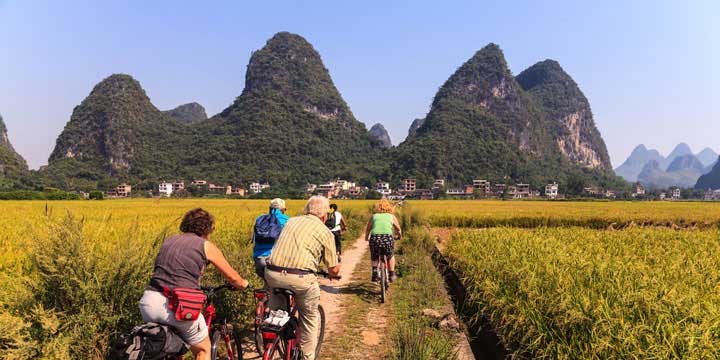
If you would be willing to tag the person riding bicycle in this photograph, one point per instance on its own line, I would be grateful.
(264, 237)
(304, 245)
(336, 223)
(180, 265)
(379, 232)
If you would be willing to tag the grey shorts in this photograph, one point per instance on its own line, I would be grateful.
(153, 308)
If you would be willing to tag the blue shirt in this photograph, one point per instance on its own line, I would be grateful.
(265, 249)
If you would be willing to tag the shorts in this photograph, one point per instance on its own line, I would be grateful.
(153, 308)
(381, 245)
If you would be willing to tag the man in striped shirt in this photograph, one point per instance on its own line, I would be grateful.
(304, 245)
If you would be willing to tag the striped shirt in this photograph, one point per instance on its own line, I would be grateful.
(304, 244)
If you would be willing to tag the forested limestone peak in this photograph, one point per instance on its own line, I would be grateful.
(188, 113)
(379, 133)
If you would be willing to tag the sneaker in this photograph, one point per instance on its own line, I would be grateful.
(375, 276)
(392, 276)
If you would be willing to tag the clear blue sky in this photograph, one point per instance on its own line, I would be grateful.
(649, 68)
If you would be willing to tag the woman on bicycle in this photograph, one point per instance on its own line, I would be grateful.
(180, 264)
(379, 232)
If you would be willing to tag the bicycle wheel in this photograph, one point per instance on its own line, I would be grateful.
(225, 344)
(383, 281)
(321, 336)
(270, 352)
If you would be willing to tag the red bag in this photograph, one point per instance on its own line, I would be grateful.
(187, 303)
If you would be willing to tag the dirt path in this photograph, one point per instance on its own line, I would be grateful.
(331, 291)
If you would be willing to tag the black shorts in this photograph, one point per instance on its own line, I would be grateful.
(381, 245)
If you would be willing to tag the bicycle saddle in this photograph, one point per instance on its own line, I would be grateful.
(286, 292)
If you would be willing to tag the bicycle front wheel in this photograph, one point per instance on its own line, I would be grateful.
(225, 343)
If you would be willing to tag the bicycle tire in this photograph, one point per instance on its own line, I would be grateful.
(321, 336)
(234, 344)
(259, 346)
(269, 353)
(383, 281)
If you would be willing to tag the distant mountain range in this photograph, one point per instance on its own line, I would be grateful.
(680, 168)
(290, 125)
(13, 168)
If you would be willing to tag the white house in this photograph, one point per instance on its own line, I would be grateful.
(676, 194)
(551, 190)
(165, 189)
(258, 187)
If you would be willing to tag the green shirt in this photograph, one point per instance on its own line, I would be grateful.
(382, 224)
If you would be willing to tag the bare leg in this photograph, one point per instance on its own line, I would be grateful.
(391, 264)
(202, 349)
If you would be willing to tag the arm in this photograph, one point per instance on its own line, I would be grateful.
(330, 255)
(396, 227)
(215, 256)
(368, 229)
(343, 225)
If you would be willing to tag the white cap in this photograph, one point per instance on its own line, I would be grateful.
(277, 203)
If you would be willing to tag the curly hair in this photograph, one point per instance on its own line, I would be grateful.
(383, 206)
(198, 222)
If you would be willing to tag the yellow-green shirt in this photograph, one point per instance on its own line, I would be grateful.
(305, 243)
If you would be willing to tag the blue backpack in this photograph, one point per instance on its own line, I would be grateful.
(267, 229)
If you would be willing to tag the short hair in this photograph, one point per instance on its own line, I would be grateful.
(317, 205)
(333, 206)
(198, 222)
(277, 203)
(383, 206)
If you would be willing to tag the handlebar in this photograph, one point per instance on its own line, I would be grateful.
(214, 289)
(327, 276)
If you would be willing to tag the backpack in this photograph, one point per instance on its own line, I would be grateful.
(330, 222)
(267, 229)
(149, 341)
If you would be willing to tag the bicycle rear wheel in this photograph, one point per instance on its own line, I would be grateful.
(321, 336)
(225, 344)
(383, 281)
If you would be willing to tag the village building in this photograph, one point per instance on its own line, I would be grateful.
(356, 191)
(122, 190)
(178, 186)
(551, 190)
(425, 194)
(165, 189)
(499, 189)
(408, 186)
(219, 189)
(309, 188)
(344, 184)
(663, 196)
(676, 194)
(482, 185)
(439, 183)
(257, 188)
(455, 192)
(522, 191)
(199, 183)
(236, 191)
(591, 191)
(468, 189)
(712, 195)
(610, 194)
(638, 190)
(383, 188)
(329, 190)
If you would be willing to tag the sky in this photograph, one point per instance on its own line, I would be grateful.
(648, 68)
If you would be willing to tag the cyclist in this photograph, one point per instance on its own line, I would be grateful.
(336, 223)
(180, 264)
(264, 241)
(379, 232)
(305, 244)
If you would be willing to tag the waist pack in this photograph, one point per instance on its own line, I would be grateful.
(186, 303)
(149, 341)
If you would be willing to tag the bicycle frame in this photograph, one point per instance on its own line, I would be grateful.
(271, 338)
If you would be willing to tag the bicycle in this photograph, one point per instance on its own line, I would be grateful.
(283, 339)
(384, 277)
(261, 311)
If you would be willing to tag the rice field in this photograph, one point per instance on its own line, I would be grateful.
(71, 272)
(580, 293)
(592, 214)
